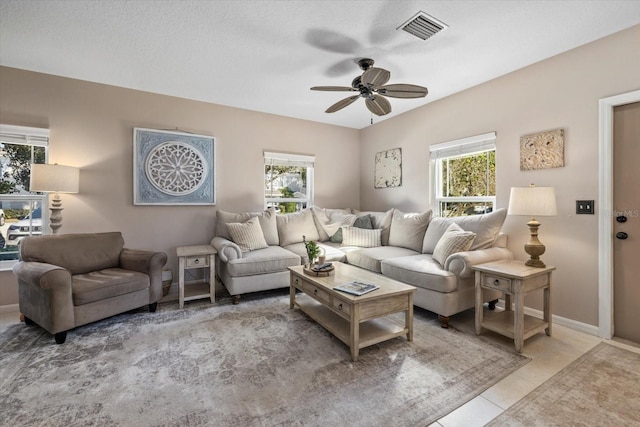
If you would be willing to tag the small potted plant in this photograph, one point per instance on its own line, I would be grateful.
(313, 250)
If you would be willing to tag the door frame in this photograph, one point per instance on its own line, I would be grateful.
(605, 220)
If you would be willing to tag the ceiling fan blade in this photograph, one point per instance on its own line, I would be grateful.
(334, 88)
(375, 77)
(378, 105)
(341, 104)
(403, 91)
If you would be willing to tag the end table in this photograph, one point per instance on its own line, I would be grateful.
(513, 278)
(193, 257)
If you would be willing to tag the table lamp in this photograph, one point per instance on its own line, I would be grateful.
(54, 178)
(533, 201)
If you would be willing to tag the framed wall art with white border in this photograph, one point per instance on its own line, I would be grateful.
(388, 169)
(173, 168)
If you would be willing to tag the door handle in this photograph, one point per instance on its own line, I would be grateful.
(621, 235)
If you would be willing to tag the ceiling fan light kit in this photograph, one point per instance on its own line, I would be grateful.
(373, 88)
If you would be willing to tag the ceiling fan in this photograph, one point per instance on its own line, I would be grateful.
(373, 88)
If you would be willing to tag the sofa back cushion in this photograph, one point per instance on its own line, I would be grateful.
(486, 226)
(293, 227)
(266, 218)
(407, 229)
(381, 220)
(328, 221)
(78, 253)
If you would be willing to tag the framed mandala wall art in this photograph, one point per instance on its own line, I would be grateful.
(173, 168)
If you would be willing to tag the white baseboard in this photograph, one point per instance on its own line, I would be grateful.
(9, 308)
(562, 321)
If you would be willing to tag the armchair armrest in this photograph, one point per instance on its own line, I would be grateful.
(44, 293)
(227, 250)
(147, 262)
(460, 263)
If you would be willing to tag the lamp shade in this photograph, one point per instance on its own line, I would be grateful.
(532, 201)
(54, 178)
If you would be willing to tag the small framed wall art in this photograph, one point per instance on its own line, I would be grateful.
(388, 169)
(173, 168)
(542, 150)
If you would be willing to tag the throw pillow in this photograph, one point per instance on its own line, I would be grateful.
(407, 229)
(328, 221)
(266, 218)
(454, 240)
(247, 235)
(363, 221)
(381, 220)
(365, 238)
(293, 226)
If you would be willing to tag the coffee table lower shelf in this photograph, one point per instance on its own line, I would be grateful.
(371, 331)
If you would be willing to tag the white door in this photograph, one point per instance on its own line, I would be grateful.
(626, 203)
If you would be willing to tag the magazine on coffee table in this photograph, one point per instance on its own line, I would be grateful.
(356, 288)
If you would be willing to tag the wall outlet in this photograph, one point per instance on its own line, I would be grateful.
(584, 207)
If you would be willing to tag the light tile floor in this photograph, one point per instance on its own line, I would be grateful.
(549, 355)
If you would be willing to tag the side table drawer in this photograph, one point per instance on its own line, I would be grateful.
(498, 283)
(198, 261)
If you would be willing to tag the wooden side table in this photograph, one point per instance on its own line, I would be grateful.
(193, 257)
(513, 278)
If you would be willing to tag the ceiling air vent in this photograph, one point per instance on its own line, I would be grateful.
(422, 26)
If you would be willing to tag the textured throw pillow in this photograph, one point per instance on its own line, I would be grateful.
(293, 226)
(247, 235)
(266, 218)
(454, 240)
(365, 238)
(407, 229)
(363, 221)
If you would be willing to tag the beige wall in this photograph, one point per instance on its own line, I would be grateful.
(561, 92)
(92, 127)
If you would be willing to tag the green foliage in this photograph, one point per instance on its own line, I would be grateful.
(313, 250)
(468, 176)
(287, 207)
(20, 160)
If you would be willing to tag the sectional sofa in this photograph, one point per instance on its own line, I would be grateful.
(433, 254)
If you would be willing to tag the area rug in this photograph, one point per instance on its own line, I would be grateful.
(258, 363)
(601, 388)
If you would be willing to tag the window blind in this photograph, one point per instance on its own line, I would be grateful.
(10, 134)
(464, 146)
(284, 159)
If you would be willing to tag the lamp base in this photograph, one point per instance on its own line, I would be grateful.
(534, 247)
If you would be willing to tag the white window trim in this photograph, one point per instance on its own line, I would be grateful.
(454, 148)
(288, 159)
(25, 135)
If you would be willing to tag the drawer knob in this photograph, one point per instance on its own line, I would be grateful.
(315, 292)
(197, 261)
(340, 307)
(296, 281)
(496, 282)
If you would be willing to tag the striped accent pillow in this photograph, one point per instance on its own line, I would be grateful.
(247, 235)
(365, 238)
(454, 240)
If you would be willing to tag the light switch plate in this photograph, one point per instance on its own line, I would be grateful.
(584, 207)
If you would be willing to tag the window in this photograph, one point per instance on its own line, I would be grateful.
(21, 211)
(288, 181)
(464, 175)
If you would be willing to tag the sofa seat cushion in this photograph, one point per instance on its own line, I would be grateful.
(421, 271)
(332, 251)
(262, 261)
(371, 258)
(103, 284)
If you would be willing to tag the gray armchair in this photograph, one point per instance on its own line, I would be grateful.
(70, 280)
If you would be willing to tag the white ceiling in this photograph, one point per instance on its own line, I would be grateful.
(265, 55)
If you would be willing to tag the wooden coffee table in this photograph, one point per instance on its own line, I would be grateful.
(358, 321)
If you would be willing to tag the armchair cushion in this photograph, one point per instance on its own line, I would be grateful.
(104, 284)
